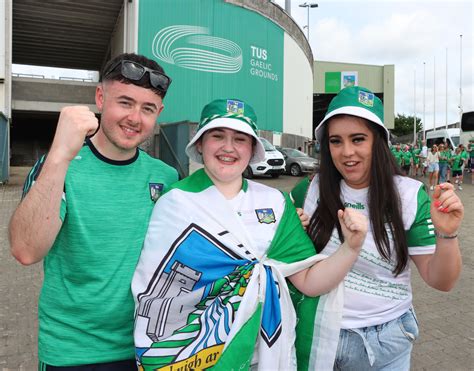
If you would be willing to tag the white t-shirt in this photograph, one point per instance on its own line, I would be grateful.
(424, 151)
(373, 295)
(433, 157)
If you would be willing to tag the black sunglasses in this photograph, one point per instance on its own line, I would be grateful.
(135, 71)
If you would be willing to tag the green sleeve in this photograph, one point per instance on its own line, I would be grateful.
(31, 179)
(421, 232)
(290, 243)
(298, 193)
(33, 175)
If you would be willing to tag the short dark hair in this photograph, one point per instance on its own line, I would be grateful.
(144, 82)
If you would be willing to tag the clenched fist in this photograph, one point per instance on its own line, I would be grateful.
(354, 227)
(75, 123)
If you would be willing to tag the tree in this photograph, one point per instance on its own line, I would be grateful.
(404, 125)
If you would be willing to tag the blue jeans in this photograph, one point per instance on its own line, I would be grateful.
(443, 172)
(382, 347)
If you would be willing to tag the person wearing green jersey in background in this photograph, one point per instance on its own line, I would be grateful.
(444, 157)
(465, 158)
(398, 154)
(457, 161)
(471, 158)
(85, 211)
(416, 159)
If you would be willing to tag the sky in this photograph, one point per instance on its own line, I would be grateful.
(411, 35)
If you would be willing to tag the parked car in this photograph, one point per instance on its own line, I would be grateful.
(298, 162)
(273, 165)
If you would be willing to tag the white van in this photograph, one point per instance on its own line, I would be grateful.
(467, 127)
(273, 165)
(450, 136)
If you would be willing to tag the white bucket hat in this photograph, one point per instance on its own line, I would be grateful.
(231, 114)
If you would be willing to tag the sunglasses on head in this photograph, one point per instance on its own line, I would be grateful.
(134, 71)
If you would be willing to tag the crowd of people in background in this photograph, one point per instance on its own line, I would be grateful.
(441, 163)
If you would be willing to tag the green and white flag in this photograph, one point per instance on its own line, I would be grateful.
(210, 288)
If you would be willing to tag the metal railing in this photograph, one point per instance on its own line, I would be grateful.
(28, 75)
(75, 79)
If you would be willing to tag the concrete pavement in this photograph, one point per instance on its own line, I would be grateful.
(446, 319)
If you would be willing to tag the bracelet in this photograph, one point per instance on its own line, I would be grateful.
(446, 236)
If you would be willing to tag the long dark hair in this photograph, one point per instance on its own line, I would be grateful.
(383, 198)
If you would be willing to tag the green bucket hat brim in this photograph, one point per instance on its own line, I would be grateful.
(353, 111)
(229, 123)
(355, 101)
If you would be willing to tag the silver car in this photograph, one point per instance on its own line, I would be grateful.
(298, 162)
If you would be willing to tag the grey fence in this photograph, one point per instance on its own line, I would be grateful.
(4, 149)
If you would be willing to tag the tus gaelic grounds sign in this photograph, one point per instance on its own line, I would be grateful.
(211, 50)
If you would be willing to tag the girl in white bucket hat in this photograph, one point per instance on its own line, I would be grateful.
(210, 288)
(358, 171)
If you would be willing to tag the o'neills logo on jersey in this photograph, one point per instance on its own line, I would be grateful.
(357, 206)
(193, 48)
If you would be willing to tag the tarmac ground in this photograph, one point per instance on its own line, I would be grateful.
(446, 320)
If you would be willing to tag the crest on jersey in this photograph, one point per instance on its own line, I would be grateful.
(155, 190)
(266, 216)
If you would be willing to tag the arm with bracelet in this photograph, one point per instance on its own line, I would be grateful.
(441, 269)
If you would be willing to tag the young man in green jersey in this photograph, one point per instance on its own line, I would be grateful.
(85, 212)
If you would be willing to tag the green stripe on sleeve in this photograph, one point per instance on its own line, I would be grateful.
(421, 232)
(33, 175)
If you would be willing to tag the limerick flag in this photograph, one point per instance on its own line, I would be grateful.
(210, 288)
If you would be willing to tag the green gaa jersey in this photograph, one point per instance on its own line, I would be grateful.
(458, 161)
(86, 306)
(398, 157)
(444, 156)
(406, 158)
(416, 152)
